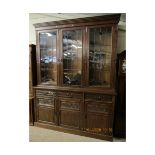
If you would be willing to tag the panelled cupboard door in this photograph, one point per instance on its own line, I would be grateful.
(46, 114)
(99, 123)
(69, 113)
(46, 106)
(48, 57)
(71, 56)
(98, 118)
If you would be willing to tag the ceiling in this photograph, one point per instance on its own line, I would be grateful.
(46, 17)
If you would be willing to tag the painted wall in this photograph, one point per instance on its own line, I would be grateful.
(121, 42)
(32, 34)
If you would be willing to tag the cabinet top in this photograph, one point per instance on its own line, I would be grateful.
(106, 19)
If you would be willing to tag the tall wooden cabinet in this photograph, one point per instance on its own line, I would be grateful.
(120, 106)
(76, 63)
(32, 80)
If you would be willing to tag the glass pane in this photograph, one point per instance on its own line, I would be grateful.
(48, 58)
(72, 57)
(100, 50)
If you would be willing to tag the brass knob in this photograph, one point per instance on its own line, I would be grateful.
(99, 97)
(69, 94)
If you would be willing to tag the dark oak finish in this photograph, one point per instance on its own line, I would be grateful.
(70, 110)
(73, 104)
(32, 80)
(107, 19)
(46, 114)
(32, 68)
(120, 107)
(31, 110)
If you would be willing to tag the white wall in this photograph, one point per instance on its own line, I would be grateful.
(121, 42)
(32, 35)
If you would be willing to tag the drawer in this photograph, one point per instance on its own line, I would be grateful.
(99, 107)
(67, 94)
(45, 93)
(98, 97)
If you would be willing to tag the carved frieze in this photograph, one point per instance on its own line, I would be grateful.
(70, 105)
(97, 107)
(45, 102)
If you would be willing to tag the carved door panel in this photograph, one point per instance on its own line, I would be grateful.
(69, 113)
(98, 118)
(46, 106)
(46, 115)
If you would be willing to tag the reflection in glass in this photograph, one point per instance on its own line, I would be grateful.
(100, 50)
(72, 57)
(48, 58)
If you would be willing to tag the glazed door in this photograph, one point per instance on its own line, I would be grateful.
(99, 56)
(71, 56)
(48, 57)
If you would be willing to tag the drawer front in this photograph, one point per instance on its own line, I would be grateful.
(66, 94)
(45, 97)
(45, 93)
(98, 97)
(99, 107)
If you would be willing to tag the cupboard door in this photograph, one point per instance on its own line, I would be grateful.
(46, 114)
(48, 57)
(99, 123)
(69, 113)
(99, 118)
(72, 56)
(46, 106)
(100, 53)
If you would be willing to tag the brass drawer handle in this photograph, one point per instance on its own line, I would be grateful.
(99, 97)
(104, 110)
(49, 93)
(52, 93)
(69, 94)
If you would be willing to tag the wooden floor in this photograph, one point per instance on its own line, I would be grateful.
(37, 134)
